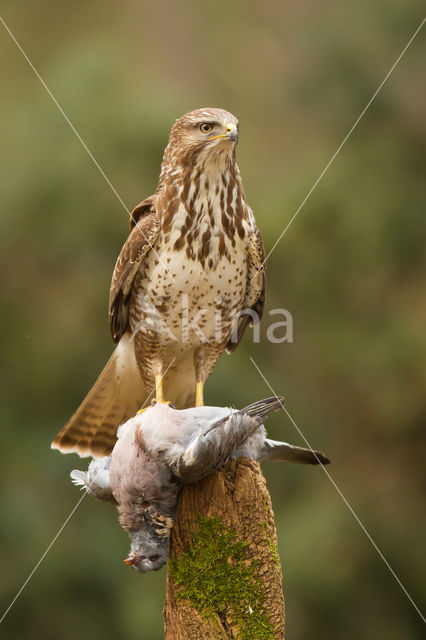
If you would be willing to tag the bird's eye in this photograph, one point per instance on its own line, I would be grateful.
(171, 405)
(206, 127)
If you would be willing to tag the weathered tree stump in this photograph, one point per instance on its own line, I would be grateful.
(224, 579)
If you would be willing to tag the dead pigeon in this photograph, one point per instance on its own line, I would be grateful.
(161, 449)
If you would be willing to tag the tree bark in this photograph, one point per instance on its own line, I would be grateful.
(224, 579)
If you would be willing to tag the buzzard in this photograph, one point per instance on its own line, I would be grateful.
(189, 279)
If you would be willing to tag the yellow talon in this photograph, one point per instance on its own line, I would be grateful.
(199, 400)
(145, 408)
(159, 395)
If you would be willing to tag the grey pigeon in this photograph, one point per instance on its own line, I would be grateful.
(161, 449)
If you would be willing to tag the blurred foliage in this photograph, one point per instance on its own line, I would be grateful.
(351, 269)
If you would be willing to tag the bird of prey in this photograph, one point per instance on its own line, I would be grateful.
(189, 279)
(163, 448)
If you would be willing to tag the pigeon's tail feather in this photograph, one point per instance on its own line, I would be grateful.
(261, 409)
(115, 397)
(284, 452)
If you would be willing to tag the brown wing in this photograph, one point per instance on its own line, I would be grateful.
(144, 230)
(255, 291)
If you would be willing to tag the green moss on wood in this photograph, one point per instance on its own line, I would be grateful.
(272, 546)
(216, 575)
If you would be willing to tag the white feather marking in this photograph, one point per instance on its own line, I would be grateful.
(79, 478)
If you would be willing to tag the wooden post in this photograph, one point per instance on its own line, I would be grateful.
(224, 579)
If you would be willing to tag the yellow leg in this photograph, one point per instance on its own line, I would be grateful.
(158, 393)
(199, 401)
(159, 388)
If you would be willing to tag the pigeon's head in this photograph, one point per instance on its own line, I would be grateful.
(145, 488)
(149, 548)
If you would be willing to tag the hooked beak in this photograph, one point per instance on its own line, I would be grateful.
(231, 133)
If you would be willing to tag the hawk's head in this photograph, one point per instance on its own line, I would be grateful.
(203, 132)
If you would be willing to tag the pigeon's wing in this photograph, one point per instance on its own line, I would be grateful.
(212, 446)
(261, 409)
(144, 230)
(96, 479)
(284, 452)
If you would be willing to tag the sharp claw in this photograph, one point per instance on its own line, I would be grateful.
(154, 402)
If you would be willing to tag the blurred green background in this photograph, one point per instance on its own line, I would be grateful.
(351, 269)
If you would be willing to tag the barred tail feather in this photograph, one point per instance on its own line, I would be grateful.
(115, 397)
